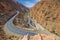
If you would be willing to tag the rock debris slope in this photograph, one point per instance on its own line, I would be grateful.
(47, 13)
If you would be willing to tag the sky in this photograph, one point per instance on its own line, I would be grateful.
(28, 3)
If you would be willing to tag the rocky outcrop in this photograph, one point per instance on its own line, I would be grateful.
(47, 13)
(8, 8)
(40, 37)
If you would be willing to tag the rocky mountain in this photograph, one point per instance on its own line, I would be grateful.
(47, 14)
(8, 8)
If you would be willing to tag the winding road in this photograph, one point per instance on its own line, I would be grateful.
(11, 29)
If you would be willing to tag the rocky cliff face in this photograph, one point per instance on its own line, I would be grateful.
(8, 8)
(47, 13)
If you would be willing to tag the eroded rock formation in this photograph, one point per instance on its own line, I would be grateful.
(40, 37)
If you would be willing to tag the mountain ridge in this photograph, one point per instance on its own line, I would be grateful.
(8, 8)
(46, 13)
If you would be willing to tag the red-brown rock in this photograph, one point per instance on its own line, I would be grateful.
(8, 8)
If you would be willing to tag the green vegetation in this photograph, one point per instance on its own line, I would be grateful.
(28, 13)
(53, 29)
(54, 32)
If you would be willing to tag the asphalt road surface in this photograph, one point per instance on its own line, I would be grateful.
(11, 29)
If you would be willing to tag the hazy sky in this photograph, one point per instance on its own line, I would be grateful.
(28, 3)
